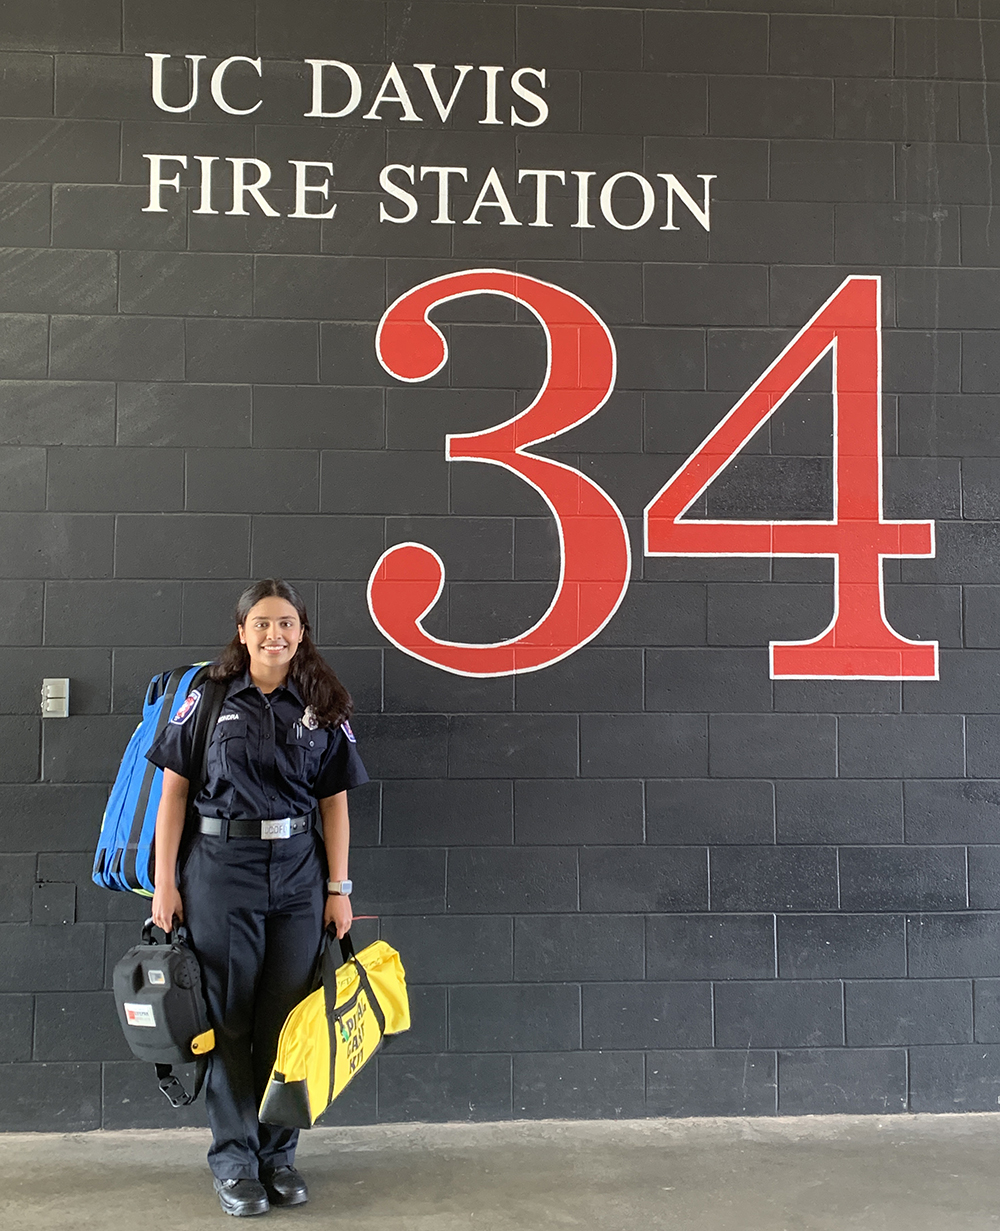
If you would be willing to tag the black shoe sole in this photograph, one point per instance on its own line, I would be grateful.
(245, 1209)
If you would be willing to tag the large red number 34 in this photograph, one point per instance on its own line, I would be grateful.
(594, 551)
(595, 559)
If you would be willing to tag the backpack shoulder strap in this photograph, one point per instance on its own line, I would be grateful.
(213, 694)
(171, 682)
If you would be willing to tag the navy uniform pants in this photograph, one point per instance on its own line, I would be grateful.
(254, 912)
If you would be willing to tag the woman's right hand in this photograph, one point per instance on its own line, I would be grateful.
(166, 904)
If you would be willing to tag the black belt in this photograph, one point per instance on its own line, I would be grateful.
(283, 827)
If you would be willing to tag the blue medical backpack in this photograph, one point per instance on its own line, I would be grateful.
(124, 858)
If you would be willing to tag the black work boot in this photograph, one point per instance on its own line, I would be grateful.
(285, 1186)
(242, 1197)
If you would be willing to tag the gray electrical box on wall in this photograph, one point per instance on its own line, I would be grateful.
(55, 698)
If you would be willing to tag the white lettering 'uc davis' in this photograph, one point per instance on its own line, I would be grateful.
(187, 709)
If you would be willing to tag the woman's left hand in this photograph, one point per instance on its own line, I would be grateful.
(338, 912)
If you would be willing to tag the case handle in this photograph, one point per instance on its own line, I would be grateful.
(179, 933)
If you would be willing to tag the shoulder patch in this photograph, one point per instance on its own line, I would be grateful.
(346, 727)
(187, 709)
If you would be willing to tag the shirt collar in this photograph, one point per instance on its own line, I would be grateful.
(243, 681)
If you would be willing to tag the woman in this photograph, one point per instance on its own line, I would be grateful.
(253, 889)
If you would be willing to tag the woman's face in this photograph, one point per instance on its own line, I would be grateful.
(272, 633)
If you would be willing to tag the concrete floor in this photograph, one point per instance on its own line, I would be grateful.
(836, 1173)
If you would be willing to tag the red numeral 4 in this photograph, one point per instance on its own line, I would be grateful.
(859, 642)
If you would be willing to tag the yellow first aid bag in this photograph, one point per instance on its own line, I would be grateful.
(331, 1035)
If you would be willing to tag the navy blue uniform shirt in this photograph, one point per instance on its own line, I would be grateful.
(263, 762)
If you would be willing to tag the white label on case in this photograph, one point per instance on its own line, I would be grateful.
(140, 1015)
(156, 976)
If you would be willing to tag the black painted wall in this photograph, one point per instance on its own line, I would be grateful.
(649, 880)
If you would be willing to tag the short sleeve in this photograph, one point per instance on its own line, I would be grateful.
(341, 768)
(173, 746)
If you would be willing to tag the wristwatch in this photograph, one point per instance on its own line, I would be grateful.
(339, 888)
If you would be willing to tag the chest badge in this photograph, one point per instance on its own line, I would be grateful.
(309, 719)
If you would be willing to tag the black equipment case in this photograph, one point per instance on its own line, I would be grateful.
(161, 1008)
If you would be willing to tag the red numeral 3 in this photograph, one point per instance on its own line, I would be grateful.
(859, 642)
(594, 550)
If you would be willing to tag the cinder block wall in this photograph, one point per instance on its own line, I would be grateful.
(645, 881)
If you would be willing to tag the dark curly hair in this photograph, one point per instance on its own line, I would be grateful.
(313, 677)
